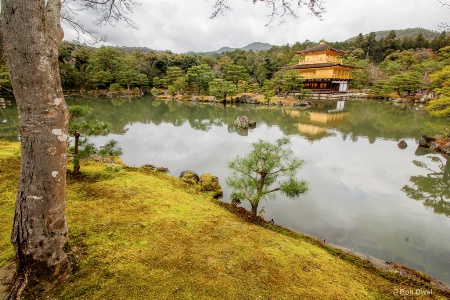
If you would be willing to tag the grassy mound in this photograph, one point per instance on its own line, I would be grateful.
(140, 234)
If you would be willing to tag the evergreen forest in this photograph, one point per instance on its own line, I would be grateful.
(391, 64)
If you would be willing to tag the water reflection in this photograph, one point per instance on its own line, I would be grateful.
(354, 167)
(315, 123)
(432, 187)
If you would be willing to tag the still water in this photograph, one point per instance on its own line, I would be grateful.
(365, 193)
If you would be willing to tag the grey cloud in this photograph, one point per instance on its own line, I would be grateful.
(183, 26)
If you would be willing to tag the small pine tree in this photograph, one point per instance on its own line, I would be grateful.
(80, 126)
(267, 169)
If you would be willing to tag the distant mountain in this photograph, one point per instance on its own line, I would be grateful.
(402, 33)
(224, 49)
(256, 46)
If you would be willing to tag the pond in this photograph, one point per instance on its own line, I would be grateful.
(366, 194)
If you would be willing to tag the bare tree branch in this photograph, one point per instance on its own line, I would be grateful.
(444, 3)
(443, 25)
(220, 6)
(109, 11)
(88, 35)
(280, 9)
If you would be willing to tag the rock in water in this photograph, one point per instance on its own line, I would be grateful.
(446, 148)
(434, 146)
(425, 141)
(302, 104)
(402, 144)
(241, 122)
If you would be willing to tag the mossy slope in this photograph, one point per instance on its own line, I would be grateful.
(145, 235)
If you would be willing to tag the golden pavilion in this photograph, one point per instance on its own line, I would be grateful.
(322, 69)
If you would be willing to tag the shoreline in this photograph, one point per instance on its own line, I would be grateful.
(394, 273)
(386, 267)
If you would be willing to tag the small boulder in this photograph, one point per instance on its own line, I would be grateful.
(241, 122)
(425, 141)
(162, 169)
(434, 146)
(247, 99)
(190, 177)
(446, 148)
(302, 104)
(210, 183)
(402, 144)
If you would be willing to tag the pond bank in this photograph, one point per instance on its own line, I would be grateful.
(139, 233)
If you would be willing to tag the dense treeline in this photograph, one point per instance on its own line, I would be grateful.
(84, 67)
(380, 59)
(389, 66)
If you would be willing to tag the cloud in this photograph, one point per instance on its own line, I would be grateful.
(183, 26)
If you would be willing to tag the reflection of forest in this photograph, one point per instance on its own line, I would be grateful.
(433, 188)
(372, 119)
(379, 119)
(199, 116)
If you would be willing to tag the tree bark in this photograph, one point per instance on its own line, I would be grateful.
(31, 33)
(76, 159)
(254, 210)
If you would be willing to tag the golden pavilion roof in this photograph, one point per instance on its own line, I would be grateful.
(322, 47)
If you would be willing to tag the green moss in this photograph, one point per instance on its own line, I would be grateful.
(8, 149)
(189, 177)
(9, 177)
(210, 183)
(138, 234)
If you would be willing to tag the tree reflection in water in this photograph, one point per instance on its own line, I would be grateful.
(433, 188)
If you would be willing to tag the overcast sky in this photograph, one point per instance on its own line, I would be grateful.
(182, 26)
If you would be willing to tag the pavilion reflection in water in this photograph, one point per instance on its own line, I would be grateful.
(315, 122)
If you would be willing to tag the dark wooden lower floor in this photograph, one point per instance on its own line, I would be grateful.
(326, 85)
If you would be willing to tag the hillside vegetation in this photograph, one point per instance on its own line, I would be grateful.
(259, 46)
(403, 33)
(140, 234)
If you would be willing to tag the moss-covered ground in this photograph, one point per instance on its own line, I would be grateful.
(141, 234)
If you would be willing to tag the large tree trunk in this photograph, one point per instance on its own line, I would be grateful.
(31, 33)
